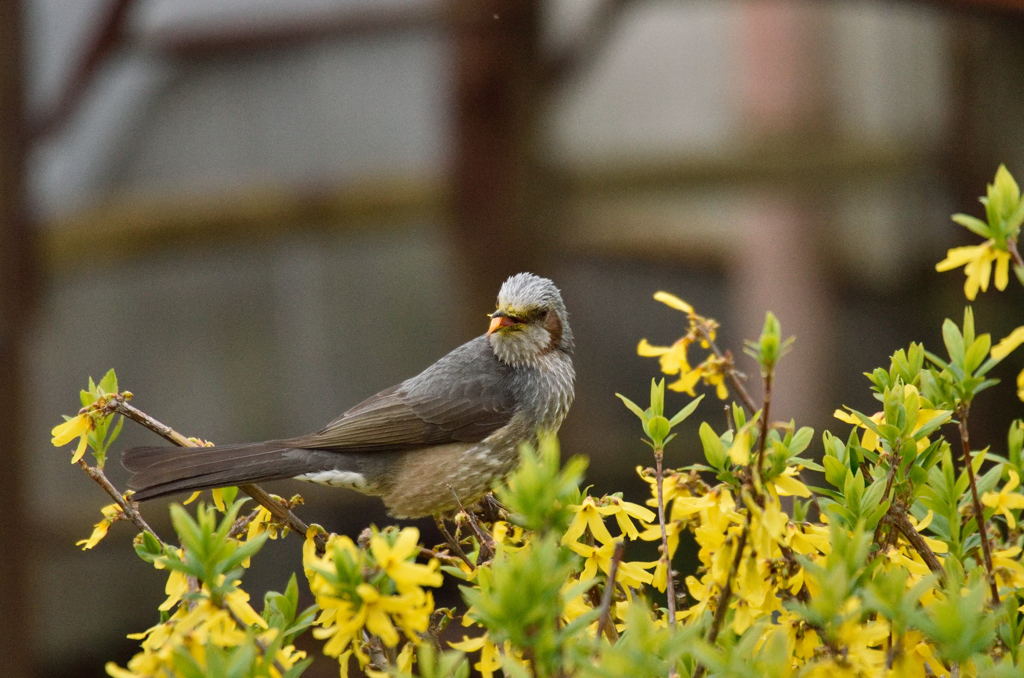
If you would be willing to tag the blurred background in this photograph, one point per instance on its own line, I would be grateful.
(261, 212)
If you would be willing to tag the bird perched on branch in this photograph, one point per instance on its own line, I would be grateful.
(437, 439)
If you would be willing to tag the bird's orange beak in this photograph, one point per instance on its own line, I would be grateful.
(499, 320)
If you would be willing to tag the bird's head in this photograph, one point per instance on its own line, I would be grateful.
(530, 320)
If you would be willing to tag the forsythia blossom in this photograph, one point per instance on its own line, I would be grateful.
(379, 592)
(75, 427)
(674, 360)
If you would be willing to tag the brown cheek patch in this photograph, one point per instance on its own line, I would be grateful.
(553, 324)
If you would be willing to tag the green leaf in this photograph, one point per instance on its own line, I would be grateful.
(977, 353)
(108, 384)
(801, 439)
(246, 550)
(835, 471)
(714, 452)
(685, 412)
(954, 342)
(853, 489)
(657, 428)
(657, 397)
(633, 407)
(932, 424)
(974, 224)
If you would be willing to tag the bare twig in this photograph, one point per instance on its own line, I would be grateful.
(486, 542)
(443, 557)
(453, 543)
(571, 61)
(127, 507)
(241, 525)
(281, 513)
(609, 590)
(1011, 247)
(898, 519)
(979, 513)
(759, 464)
(665, 556)
(893, 464)
(731, 371)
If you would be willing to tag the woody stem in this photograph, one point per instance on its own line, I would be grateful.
(127, 507)
(670, 590)
(281, 512)
(979, 513)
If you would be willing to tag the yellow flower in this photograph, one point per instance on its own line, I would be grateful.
(715, 377)
(1020, 385)
(176, 587)
(589, 514)
(345, 612)
(937, 546)
(788, 486)
(489, 661)
(629, 573)
(1008, 344)
(914, 657)
(624, 510)
(669, 486)
(869, 441)
(672, 358)
(76, 427)
(739, 451)
(1006, 499)
(394, 560)
(111, 513)
(977, 261)
(511, 537)
(1008, 568)
(673, 301)
(238, 602)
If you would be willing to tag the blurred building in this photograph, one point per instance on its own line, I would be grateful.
(261, 212)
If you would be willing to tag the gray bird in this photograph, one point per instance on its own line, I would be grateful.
(454, 428)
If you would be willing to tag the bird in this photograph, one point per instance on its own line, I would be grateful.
(426, 446)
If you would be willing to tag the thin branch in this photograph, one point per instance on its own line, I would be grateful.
(107, 38)
(979, 513)
(443, 557)
(759, 464)
(241, 525)
(453, 543)
(281, 513)
(897, 517)
(127, 507)
(893, 465)
(570, 63)
(486, 542)
(731, 371)
(609, 590)
(1011, 247)
(665, 556)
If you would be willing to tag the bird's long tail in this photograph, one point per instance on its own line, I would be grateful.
(157, 471)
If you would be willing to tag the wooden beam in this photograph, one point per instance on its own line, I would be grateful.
(494, 119)
(17, 291)
(191, 40)
(105, 40)
(134, 225)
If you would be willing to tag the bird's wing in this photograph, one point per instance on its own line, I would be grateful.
(464, 397)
